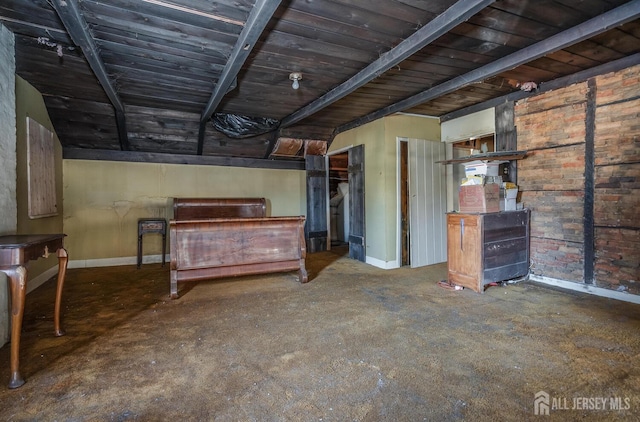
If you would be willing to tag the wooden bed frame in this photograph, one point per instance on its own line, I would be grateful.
(198, 208)
(235, 239)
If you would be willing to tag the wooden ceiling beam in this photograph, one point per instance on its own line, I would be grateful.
(612, 66)
(200, 160)
(260, 15)
(581, 32)
(440, 25)
(77, 27)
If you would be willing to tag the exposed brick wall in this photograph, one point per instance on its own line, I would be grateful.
(560, 259)
(617, 258)
(617, 195)
(557, 216)
(560, 168)
(617, 180)
(552, 127)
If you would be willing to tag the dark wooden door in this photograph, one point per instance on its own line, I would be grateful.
(316, 225)
(356, 203)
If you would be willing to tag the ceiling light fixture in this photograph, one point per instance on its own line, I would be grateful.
(295, 77)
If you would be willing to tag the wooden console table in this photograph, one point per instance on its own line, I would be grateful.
(15, 252)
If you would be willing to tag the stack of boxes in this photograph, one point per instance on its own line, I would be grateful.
(508, 195)
(482, 190)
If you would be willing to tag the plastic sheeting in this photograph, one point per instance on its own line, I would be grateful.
(238, 126)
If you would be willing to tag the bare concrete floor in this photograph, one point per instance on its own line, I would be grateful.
(355, 344)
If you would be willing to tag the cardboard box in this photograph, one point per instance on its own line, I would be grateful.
(508, 204)
(511, 193)
(481, 168)
(479, 198)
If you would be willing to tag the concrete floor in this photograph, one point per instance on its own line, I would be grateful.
(355, 344)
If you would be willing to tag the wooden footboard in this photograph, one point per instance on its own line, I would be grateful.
(199, 208)
(223, 247)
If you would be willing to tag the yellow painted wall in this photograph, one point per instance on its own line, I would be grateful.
(103, 201)
(29, 103)
(381, 182)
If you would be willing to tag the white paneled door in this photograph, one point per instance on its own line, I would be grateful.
(427, 203)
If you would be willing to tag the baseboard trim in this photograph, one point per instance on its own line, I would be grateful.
(585, 288)
(385, 265)
(114, 262)
(35, 282)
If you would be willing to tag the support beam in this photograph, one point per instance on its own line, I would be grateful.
(581, 32)
(561, 82)
(260, 15)
(440, 25)
(589, 184)
(77, 27)
(154, 157)
(272, 143)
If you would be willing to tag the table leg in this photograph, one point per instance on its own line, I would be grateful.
(139, 251)
(18, 279)
(63, 258)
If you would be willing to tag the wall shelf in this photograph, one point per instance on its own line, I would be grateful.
(489, 156)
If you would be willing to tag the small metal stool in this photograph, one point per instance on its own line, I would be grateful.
(152, 225)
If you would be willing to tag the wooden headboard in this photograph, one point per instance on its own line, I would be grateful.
(199, 208)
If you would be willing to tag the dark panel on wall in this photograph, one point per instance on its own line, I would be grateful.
(316, 230)
(506, 136)
(357, 245)
(590, 114)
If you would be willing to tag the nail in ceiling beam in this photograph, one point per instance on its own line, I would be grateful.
(440, 25)
(578, 33)
(260, 15)
(77, 27)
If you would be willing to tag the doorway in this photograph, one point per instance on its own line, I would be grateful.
(343, 200)
(339, 199)
(422, 202)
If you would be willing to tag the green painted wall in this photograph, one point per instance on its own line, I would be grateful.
(103, 201)
(381, 177)
(29, 103)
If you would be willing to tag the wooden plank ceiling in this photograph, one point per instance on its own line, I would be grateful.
(141, 80)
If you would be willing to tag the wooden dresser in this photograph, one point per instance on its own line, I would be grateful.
(486, 248)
